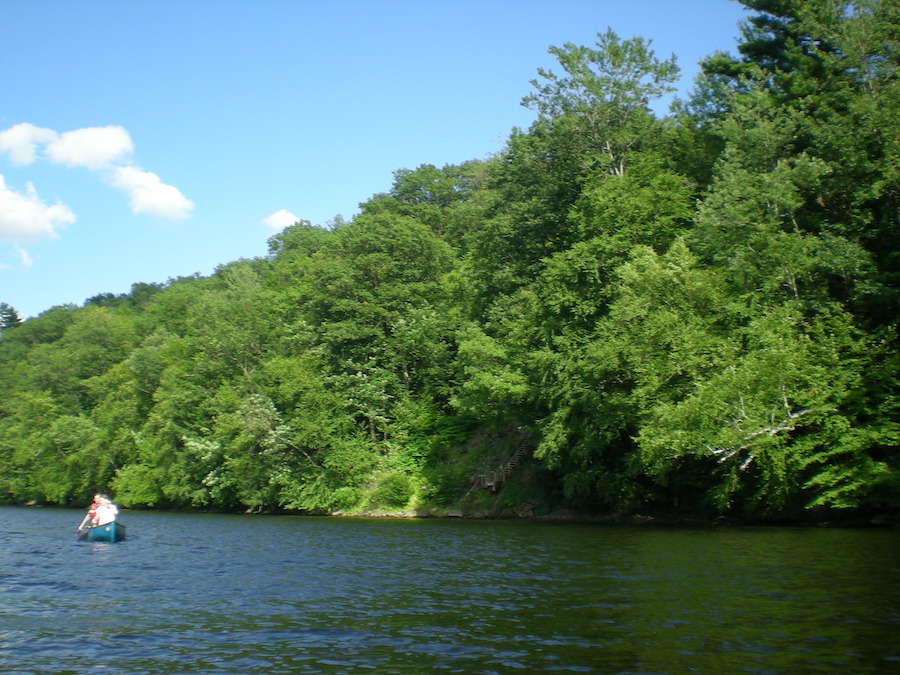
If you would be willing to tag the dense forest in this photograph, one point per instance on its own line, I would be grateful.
(693, 314)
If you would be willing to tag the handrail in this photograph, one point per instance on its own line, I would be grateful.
(493, 480)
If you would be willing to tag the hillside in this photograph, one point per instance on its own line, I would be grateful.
(688, 315)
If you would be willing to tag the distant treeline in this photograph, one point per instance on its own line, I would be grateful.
(694, 314)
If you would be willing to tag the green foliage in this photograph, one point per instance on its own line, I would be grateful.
(604, 95)
(393, 491)
(695, 314)
(9, 317)
(137, 485)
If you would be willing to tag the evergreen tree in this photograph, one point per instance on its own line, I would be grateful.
(9, 318)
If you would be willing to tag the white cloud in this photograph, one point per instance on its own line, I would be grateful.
(24, 257)
(280, 220)
(90, 147)
(148, 194)
(105, 150)
(21, 140)
(24, 217)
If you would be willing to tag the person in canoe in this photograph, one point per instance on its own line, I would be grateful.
(102, 512)
(106, 511)
(91, 514)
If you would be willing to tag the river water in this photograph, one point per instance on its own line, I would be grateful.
(190, 593)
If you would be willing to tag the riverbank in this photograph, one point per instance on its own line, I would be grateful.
(528, 512)
(880, 520)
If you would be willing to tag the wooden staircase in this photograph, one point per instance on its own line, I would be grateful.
(493, 480)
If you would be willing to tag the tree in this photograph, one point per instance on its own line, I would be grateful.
(604, 94)
(447, 200)
(591, 122)
(9, 318)
(830, 70)
(648, 206)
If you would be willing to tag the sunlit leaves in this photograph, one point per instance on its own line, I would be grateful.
(695, 314)
(491, 384)
(604, 92)
(9, 317)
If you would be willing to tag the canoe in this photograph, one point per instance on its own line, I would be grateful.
(110, 532)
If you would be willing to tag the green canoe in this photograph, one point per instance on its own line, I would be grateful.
(109, 532)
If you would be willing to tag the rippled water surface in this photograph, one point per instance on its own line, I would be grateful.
(282, 594)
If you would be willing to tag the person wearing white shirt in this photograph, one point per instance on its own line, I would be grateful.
(106, 512)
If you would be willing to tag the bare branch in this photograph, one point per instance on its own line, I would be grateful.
(786, 424)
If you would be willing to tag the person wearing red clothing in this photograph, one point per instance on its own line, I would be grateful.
(91, 517)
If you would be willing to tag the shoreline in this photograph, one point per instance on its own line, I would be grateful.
(849, 521)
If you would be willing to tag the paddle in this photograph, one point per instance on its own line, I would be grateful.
(84, 522)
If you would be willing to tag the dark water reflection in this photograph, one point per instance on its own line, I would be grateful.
(239, 594)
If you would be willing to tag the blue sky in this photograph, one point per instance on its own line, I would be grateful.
(151, 139)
